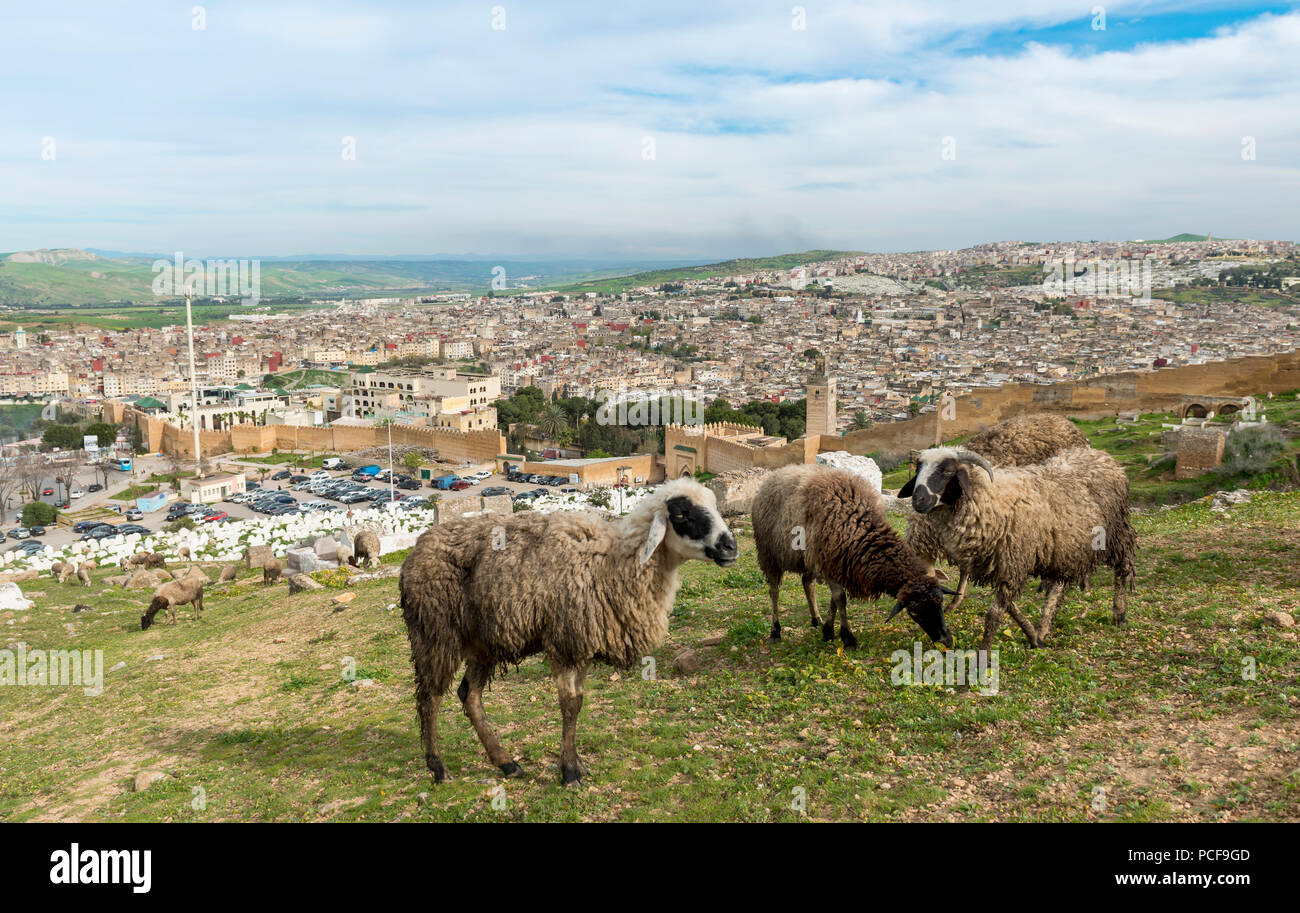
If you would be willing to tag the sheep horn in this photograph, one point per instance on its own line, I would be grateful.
(947, 592)
(970, 456)
(898, 607)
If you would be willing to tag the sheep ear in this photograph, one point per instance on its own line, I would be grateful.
(658, 529)
(898, 607)
(906, 490)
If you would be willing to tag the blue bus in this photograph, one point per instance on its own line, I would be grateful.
(122, 464)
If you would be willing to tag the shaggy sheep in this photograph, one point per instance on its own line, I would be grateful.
(227, 573)
(271, 571)
(343, 555)
(365, 548)
(56, 571)
(68, 570)
(83, 572)
(573, 586)
(184, 553)
(154, 560)
(188, 589)
(830, 524)
(1020, 441)
(1057, 520)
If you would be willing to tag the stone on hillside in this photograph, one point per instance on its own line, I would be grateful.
(20, 576)
(142, 579)
(257, 555)
(735, 489)
(300, 582)
(687, 662)
(1223, 500)
(859, 465)
(304, 561)
(1280, 619)
(11, 597)
(146, 778)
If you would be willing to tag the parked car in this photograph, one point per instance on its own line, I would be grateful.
(461, 484)
(19, 532)
(493, 490)
(76, 493)
(281, 475)
(126, 528)
(134, 514)
(82, 526)
(333, 463)
(103, 531)
(408, 485)
(524, 496)
(30, 547)
(95, 487)
(215, 516)
(37, 530)
(251, 486)
(61, 505)
(570, 490)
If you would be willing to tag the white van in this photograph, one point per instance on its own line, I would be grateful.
(331, 463)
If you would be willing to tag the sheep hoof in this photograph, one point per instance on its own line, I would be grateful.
(511, 769)
(434, 763)
(846, 636)
(776, 631)
(828, 632)
(571, 776)
(817, 622)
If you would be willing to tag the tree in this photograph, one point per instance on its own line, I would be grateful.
(38, 513)
(64, 437)
(861, 421)
(10, 484)
(105, 434)
(411, 460)
(31, 470)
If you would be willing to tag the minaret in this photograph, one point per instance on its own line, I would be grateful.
(20, 338)
(821, 406)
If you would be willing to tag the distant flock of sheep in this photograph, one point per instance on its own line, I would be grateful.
(1027, 498)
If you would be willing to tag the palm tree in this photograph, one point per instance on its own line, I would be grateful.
(552, 420)
(861, 421)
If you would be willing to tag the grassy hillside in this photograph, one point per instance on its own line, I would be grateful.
(250, 706)
(705, 271)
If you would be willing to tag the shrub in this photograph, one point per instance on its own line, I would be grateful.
(38, 513)
(179, 523)
(599, 497)
(1252, 451)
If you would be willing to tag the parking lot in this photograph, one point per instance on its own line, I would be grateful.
(58, 536)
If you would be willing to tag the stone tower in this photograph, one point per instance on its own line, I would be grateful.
(820, 389)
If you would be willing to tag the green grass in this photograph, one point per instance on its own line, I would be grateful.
(307, 377)
(617, 285)
(253, 705)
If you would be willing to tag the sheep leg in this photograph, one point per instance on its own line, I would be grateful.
(569, 684)
(774, 590)
(810, 591)
(1051, 605)
(993, 619)
(1020, 619)
(962, 582)
(840, 606)
(471, 695)
(433, 672)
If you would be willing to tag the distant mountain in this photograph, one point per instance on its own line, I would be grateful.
(72, 277)
(613, 286)
(1185, 236)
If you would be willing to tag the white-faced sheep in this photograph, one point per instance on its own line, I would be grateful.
(365, 548)
(188, 589)
(1057, 520)
(83, 572)
(1020, 441)
(574, 586)
(271, 571)
(829, 524)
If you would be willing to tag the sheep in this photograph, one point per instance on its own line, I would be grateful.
(138, 559)
(83, 572)
(154, 560)
(343, 555)
(68, 570)
(365, 548)
(271, 571)
(829, 524)
(1020, 441)
(184, 553)
(573, 586)
(56, 569)
(188, 589)
(227, 573)
(1057, 520)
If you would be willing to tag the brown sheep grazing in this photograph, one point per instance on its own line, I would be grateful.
(271, 571)
(184, 553)
(188, 589)
(228, 573)
(1020, 441)
(1057, 520)
(83, 572)
(139, 558)
(572, 586)
(68, 570)
(56, 569)
(829, 524)
(154, 560)
(365, 548)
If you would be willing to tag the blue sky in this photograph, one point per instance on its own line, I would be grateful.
(644, 130)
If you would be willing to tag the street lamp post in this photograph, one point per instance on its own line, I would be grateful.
(194, 388)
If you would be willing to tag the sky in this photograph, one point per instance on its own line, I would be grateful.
(644, 130)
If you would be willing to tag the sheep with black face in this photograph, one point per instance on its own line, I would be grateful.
(1058, 520)
(825, 523)
(576, 587)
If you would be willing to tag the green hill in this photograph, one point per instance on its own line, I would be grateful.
(705, 271)
(250, 704)
(1185, 236)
